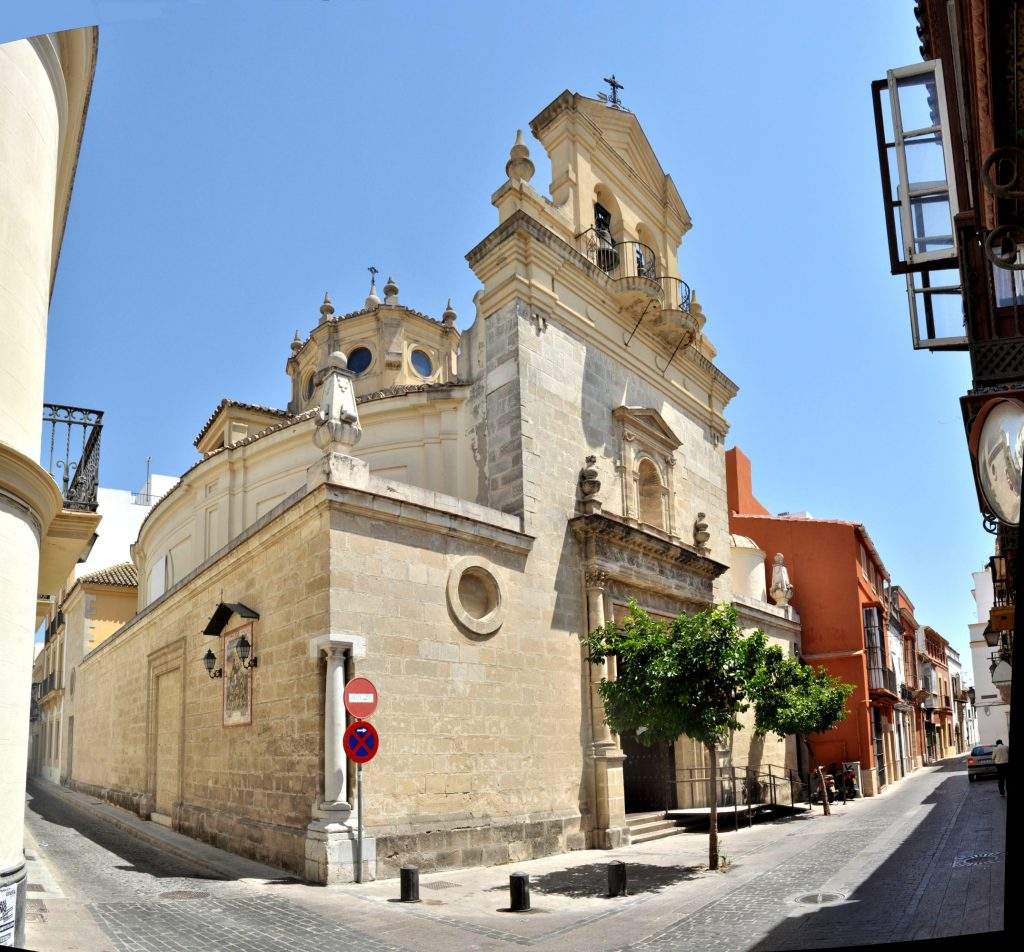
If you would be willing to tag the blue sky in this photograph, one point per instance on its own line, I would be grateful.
(241, 158)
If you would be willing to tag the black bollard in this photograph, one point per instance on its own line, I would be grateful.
(616, 878)
(519, 892)
(410, 884)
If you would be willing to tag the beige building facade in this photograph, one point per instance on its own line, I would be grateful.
(445, 513)
(45, 83)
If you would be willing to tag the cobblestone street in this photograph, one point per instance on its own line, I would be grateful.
(923, 859)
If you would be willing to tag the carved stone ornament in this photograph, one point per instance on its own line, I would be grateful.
(589, 486)
(337, 418)
(781, 589)
(701, 535)
(596, 578)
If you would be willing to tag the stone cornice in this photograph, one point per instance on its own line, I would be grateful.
(27, 481)
(522, 223)
(620, 534)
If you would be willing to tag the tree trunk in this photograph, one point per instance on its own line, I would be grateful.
(713, 818)
(824, 792)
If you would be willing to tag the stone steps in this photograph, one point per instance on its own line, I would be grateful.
(644, 827)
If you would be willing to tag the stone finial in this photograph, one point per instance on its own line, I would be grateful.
(296, 342)
(326, 309)
(372, 299)
(781, 589)
(519, 168)
(589, 487)
(701, 535)
(449, 316)
(391, 292)
(337, 418)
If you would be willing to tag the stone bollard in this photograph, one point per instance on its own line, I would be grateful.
(410, 884)
(616, 878)
(519, 892)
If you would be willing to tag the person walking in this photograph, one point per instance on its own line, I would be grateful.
(1001, 758)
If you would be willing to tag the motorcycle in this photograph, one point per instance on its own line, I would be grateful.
(830, 789)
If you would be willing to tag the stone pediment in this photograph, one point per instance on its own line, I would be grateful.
(650, 425)
(625, 138)
(643, 558)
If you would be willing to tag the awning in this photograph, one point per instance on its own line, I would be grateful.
(223, 612)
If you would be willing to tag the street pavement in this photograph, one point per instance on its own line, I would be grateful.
(924, 859)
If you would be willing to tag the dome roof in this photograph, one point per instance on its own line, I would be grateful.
(742, 542)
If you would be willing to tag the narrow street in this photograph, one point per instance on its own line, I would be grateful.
(923, 859)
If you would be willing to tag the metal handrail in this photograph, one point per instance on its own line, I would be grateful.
(677, 293)
(618, 259)
(745, 787)
(79, 478)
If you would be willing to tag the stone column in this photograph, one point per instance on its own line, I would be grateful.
(331, 834)
(609, 796)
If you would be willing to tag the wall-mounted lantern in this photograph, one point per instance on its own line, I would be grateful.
(971, 695)
(210, 662)
(244, 649)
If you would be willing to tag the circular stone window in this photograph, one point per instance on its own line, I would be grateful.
(476, 596)
(359, 360)
(422, 363)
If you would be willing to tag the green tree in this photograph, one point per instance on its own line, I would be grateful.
(795, 698)
(684, 677)
(696, 675)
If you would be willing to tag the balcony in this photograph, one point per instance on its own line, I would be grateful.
(74, 453)
(882, 679)
(631, 266)
(906, 694)
(679, 321)
(71, 454)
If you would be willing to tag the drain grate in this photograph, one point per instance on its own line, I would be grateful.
(184, 894)
(820, 898)
(440, 884)
(975, 859)
(35, 887)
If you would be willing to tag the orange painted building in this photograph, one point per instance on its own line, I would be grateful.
(841, 596)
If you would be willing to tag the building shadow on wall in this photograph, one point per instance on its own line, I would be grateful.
(944, 880)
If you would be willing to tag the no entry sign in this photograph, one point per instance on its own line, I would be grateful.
(361, 742)
(360, 697)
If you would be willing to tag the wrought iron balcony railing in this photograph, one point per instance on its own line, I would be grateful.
(906, 694)
(74, 453)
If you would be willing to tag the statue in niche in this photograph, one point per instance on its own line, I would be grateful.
(781, 589)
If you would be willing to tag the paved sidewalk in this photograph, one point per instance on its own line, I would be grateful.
(923, 859)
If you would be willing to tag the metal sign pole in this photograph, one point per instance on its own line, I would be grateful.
(359, 833)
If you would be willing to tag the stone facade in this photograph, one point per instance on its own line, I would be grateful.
(434, 534)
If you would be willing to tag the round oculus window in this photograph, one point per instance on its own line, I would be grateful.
(422, 363)
(359, 360)
(477, 596)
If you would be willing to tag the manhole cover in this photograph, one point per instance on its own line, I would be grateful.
(441, 884)
(184, 894)
(975, 859)
(820, 898)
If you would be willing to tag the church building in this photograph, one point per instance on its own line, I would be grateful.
(446, 514)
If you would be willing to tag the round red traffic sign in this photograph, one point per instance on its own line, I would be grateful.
(361, 742)
(360, 697)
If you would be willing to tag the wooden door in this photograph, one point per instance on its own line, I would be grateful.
(168, 742)
(648, 776)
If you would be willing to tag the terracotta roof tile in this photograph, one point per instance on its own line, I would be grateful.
(258, 407)
(123, 574)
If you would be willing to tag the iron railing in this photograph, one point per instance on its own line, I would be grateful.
(677, 294)
(906, 694)
(618, 259)
(74, 453)
(743, 789)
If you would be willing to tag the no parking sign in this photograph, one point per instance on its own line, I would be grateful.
(360, 742)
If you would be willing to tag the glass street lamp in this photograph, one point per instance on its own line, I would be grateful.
(244, 649)
(210, 662)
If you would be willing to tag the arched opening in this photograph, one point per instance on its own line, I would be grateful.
(645, 253)
(649, 492)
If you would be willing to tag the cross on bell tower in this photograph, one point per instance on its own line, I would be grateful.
(612, 100)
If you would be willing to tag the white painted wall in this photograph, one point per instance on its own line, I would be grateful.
(993, 716)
